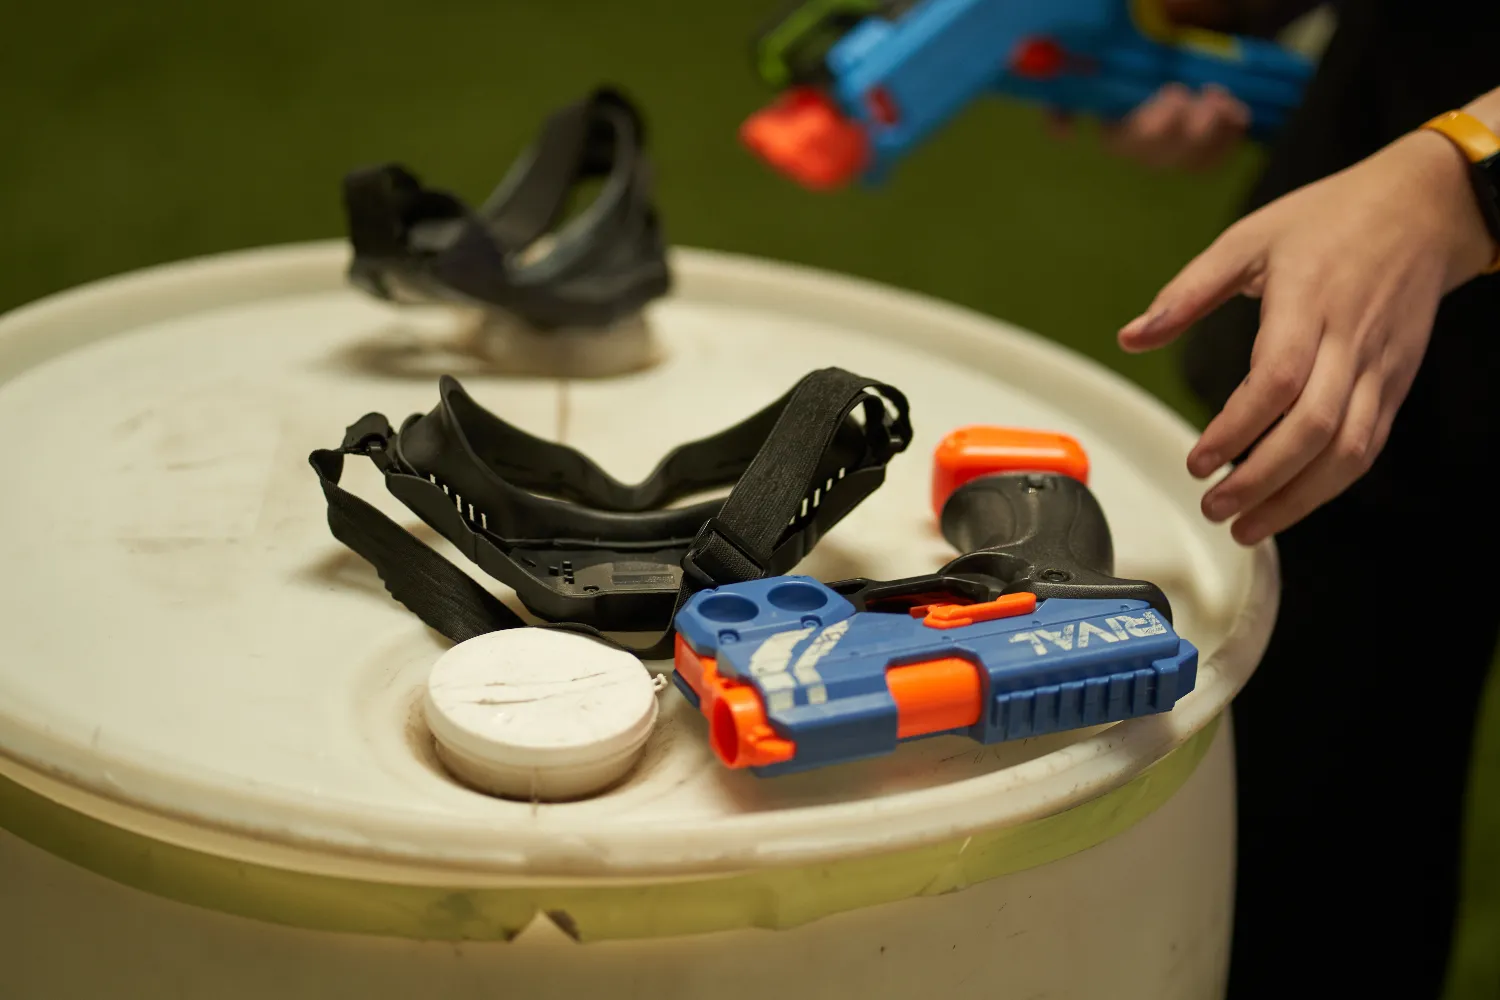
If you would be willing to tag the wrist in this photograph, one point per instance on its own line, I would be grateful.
(1487, 109)
(1442, 172)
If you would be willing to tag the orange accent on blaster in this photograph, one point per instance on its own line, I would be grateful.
(740, 733)
(737, 726)
(982, 450)
(959, 615)
(935, 696)
(807, 137)
(691, 667)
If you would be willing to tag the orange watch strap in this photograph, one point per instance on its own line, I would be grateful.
(1474, 140)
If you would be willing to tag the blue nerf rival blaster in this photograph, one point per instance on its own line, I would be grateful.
(866, 81)
(1028, 633)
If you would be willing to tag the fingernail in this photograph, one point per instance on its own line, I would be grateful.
(1203, 463)
(1218, 507)
(1144, 324)
(1246, 533)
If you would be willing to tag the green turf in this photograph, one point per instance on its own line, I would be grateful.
(146, 132)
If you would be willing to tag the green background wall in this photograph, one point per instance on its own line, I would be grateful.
(144, 132)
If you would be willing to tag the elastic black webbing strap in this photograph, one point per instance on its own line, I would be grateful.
(380, 201)
(377, 202)
(443, 596)
(525, 207)
(738, 544)
(578, 141)
(734, 547)
(436, 591)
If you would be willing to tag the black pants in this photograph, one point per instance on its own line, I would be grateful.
(1354, 741)
(1354, 736)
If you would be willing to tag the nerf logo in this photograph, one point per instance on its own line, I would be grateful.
(1078, 635)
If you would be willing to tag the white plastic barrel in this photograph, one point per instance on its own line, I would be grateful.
(214, 776)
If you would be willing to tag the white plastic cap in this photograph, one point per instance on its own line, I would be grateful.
(539, 714)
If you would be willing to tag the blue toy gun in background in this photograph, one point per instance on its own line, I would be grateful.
(866, 81)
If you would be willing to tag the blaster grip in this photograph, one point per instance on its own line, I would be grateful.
(1038, 533)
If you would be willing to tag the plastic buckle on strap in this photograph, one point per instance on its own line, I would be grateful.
(713, 529)
(369, 434)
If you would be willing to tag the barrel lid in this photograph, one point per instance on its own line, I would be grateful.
(182, 641)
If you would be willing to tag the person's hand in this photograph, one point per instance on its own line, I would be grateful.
(1349, 271)
(1176, 128)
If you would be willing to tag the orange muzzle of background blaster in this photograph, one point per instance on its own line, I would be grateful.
(805, 136)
